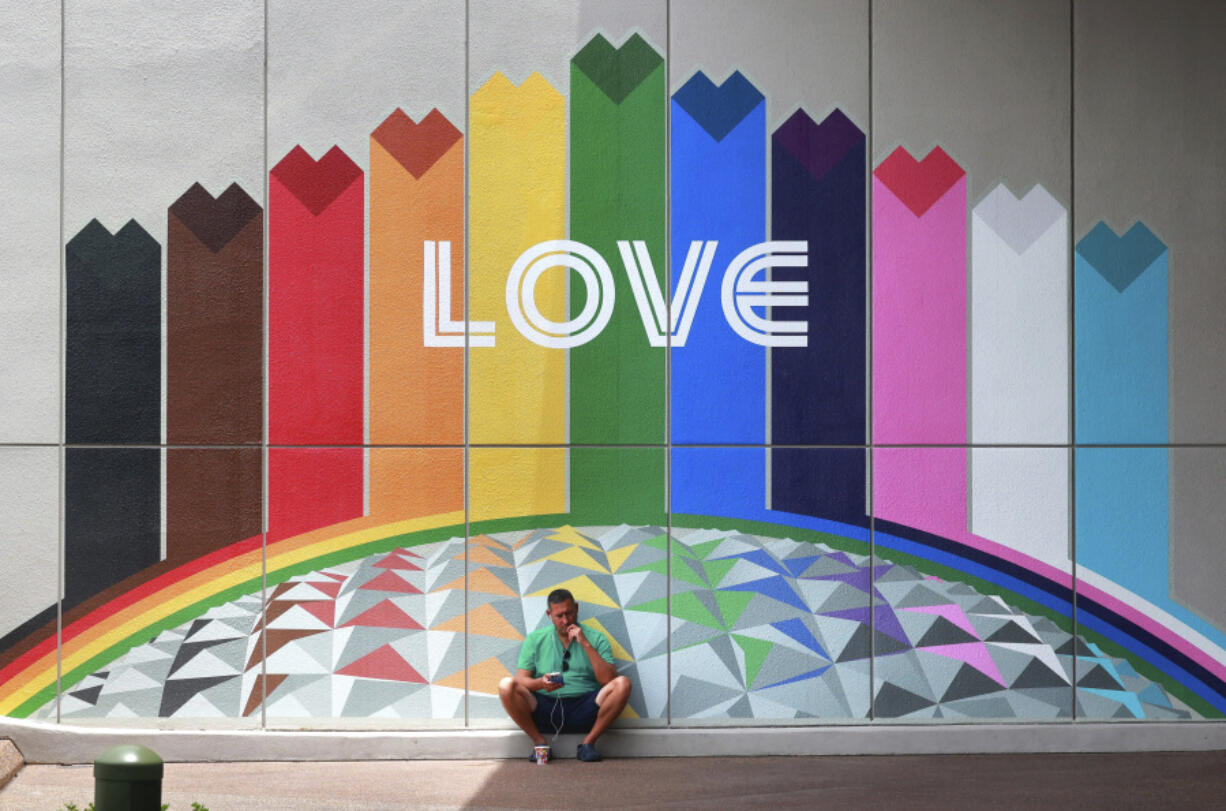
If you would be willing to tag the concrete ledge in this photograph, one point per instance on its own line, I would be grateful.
(11, 761)
(51, 743)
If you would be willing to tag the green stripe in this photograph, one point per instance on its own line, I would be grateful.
(617, 191)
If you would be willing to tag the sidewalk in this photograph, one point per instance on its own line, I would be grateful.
(1140, 780)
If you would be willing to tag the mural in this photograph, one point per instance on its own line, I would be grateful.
(817, 426)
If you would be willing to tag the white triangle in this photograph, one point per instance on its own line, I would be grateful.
(214, 630)
(170, 636)
(129, 680)
(437, 645)
(144, 653)
(610, 539)
(342, 686)
(198, 707)
(732, 546)
(702, 659)
(203, 665)
(121, 710)
(780, 548)
(340, 640)
(718, 711)
(231, 610)
(1039, 650)
(745, 572)
(445, 701)
(292, 659)
(435, 601)
(765, 708)
(304, 591)
(70, 704)
(298, 618)
(288, 707)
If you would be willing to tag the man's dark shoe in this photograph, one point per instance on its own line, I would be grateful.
(588, 753)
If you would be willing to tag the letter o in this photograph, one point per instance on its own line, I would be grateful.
(521, 293)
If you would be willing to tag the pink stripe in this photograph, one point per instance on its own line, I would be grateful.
(923, 488)
(919, 319)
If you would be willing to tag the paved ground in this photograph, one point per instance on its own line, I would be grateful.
(1079, 781)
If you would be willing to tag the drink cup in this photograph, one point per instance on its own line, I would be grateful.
(542, 755)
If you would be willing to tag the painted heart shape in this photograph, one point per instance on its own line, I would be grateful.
(1019, 222)
(617, 71)
(1120, 260)
(316, 183)
(818, 147)
(129, 245)
(215, 221)
(415, 146)
(919, 184)
(718, 109)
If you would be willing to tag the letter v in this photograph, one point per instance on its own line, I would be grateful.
(649, 297)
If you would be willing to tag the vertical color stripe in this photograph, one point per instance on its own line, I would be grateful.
(919, 341)
(818, 391)
(315, 339)
(214, 370)
(1121, 315)
(518, 182)
(112, 517)
(1019, 384)
(416, 195)
(718, 193)
(1122, 370)
(510, 482)
(112, 497)
(1019, 319)
(416, 391)
(617, 192)
(113, 356)
(214, 319)
(310, 488)
(517, 389)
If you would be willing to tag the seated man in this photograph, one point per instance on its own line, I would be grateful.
(590, 694)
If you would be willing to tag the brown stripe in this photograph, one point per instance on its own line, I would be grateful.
(214, 387)
(212, 500)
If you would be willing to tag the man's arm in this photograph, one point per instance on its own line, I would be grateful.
(525, 679)
(602, 669)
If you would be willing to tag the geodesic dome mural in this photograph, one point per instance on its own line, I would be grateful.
(757, 628)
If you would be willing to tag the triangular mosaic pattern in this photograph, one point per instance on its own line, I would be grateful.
(759, 628)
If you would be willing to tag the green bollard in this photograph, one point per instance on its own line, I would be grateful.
(128, 777)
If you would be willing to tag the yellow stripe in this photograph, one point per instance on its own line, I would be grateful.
(512, 482)
(517, 153)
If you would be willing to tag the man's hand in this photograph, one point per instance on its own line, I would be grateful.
(547, 685)
(575, 632)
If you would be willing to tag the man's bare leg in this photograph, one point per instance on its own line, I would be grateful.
(611, 700)
(519, 704)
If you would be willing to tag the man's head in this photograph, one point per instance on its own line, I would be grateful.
(562, 609)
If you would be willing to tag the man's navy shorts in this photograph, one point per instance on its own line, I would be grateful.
(555, 714)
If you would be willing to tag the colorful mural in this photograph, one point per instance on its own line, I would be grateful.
(816, 425)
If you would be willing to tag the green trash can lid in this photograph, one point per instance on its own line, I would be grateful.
(128, 762)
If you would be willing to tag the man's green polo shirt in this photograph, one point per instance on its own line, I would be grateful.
(542, 653)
